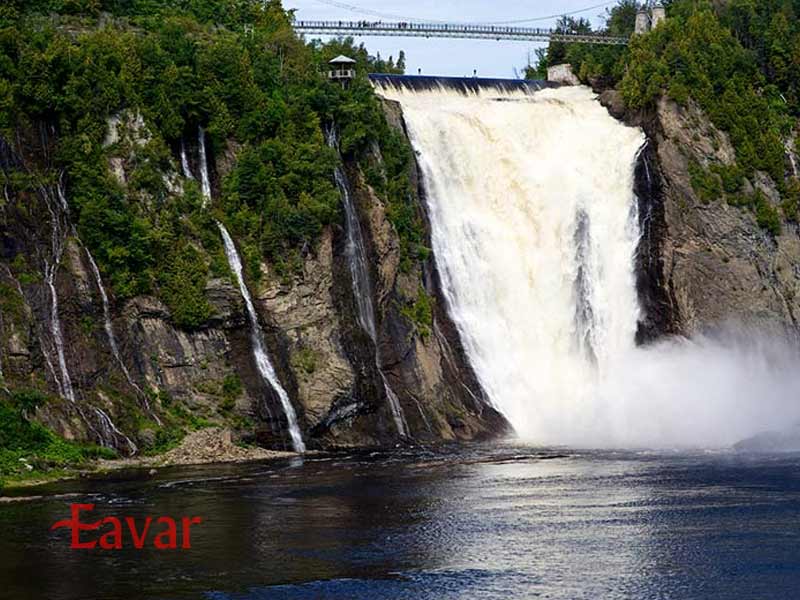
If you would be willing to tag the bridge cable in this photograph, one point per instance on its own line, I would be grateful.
(375, 13)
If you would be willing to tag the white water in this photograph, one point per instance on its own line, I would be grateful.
(362, 287)
(534, 230)
(187, 171)
(205, 180)
(112, 338)
(108, 432)
(59, 211)
(263, 363)
(790, 146)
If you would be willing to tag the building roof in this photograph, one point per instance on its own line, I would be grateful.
(342, 59)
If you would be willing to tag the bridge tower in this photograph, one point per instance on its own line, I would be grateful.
(657, 14)
(642, 21)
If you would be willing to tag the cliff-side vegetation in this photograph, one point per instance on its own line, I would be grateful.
(739, 60)
(237, 69)
(27, 449)
(99, 98)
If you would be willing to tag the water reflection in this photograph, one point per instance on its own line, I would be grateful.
(488, 522)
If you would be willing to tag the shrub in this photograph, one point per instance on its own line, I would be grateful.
(420, 313)
(707, 185)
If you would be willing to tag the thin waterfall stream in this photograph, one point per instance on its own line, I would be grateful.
(205, 179)
(58, 210)
(362, 287)
(57, 206)
(112, 339)
(263, 363)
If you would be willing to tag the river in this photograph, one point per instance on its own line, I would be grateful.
(482, 522)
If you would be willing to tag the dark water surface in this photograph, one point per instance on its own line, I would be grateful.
(484, 522)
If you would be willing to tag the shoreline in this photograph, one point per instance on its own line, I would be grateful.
(203, 447)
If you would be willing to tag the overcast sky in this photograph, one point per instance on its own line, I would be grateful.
(443, 56)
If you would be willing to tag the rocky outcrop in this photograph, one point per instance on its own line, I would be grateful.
(164, 379)
(705, 265)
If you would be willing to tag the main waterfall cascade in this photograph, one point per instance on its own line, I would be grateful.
(362, 287)
(535, 230)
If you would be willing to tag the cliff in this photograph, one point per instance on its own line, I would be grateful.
(715, 254)
(141, 378)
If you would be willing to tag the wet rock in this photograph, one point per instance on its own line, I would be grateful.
(771, 441)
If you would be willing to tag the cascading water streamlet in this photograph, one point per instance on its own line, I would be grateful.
(263, 363)
(535, 230)
(59, 225)
(187, 171)
(205, 179)
(362, 287)
(112, 340)
(56, 202)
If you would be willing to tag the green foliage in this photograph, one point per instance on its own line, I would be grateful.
(27, 449)
(305, 360)
(791, 201)
(176, 66)
(731, 177)
(231, 391)
(26, 401)
(706, 184)
(183, 285)
(739, 60)
(589, 62)
(767, 216)
(420, 313)
(11, 302)
(166, 439)
(694, 55)
(16, 432)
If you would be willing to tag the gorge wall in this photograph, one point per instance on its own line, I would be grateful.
(705, 263)
(158, 379)
(139, 379)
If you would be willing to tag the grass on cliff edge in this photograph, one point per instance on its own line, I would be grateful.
(29, 450)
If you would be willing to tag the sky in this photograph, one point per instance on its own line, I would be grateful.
(449, 56)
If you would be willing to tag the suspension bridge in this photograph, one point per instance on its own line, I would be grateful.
(445, 30)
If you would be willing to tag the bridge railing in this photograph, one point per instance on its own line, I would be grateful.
(451, 30)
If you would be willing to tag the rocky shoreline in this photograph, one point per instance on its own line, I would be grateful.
(207, 446)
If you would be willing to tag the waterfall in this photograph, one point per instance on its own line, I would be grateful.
(535, 231)
(362, 289)
(59, 210)
(205, 180)
(187, 171)
(112, 339)
(790, 145)
(263, 363)
(108, 432)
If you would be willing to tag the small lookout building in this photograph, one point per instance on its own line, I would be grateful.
(343, 69)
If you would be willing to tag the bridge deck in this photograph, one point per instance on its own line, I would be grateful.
(444, 30)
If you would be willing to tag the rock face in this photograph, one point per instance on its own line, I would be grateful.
(562, 74)
(771, 441)
(165, 378)
(705, 265)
